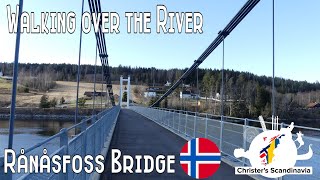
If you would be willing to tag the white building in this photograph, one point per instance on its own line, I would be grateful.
(1, 74)
(150, 94)
(185, 95)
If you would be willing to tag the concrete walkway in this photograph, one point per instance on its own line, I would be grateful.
(137, 135)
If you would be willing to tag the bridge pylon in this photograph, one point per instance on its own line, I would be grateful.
(124, 90)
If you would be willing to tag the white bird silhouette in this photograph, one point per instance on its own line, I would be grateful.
(299, 139)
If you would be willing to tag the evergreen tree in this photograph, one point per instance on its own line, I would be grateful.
(44, 102)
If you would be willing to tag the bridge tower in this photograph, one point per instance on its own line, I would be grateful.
(123, 90)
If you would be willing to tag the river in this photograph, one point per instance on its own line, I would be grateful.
(29, 132)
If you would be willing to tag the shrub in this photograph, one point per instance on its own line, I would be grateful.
(44, 102)
(26, 90)
(53, 102)
(136, 90)
(82, 102)
(62, 100)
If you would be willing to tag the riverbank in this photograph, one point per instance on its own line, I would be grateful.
(49, 114)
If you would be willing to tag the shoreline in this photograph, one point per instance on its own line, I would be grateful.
(28, 117)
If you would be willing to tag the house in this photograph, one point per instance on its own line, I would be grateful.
(313, 105)
(1, 74)
(91, 94)
(6, 78)
(153, 91)
(150, 94)
(188, 95)
(186, 85)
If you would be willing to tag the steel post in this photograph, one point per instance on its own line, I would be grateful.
(15, 78)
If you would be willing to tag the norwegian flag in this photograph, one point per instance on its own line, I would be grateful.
(200, 158)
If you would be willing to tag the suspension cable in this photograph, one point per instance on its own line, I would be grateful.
(94, 85)
(15, 78)
(197, 90)
(95, 7)
(273, 69)
(101, 86)
(222, 84)
(222, 35)
(78, 74)
(222, 97)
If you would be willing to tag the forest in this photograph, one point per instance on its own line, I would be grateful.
(148, 76)
(250, 94)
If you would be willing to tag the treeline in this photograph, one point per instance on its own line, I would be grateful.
(248, 95)
(210, 78)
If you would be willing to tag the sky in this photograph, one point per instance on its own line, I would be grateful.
(247, 48)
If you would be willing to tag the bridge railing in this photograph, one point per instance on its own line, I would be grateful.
(236, 133)
(92, 136)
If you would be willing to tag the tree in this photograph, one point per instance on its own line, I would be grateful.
(26, 89)
(44, 102)
(124, 98)
(164, 103)
(62, 100)
(263, 98)
(207, 82)
(152, 101)
(136, 90)
(82, 102)
(53, 102)
(240, 109)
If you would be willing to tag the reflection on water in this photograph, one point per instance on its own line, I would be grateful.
(29, 132)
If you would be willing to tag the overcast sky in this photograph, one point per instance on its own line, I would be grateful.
(248, 47)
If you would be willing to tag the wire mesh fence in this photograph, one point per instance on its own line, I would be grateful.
(230, 133)
(91, 136)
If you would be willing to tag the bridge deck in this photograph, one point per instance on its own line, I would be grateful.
(135, 134)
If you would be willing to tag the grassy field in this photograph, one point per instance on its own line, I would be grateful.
(64, 89)
(4, 85)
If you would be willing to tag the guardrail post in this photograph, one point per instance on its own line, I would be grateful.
(195, 125)
(163, 116)
(169, 118)
(206, 127)
(179, 122)
(173, 119)
(185, 126)
(84, 144)
(244, 144)
(64, 143)
(166, 117)
(158, 114)
(221, 132)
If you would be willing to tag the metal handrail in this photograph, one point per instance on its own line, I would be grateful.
(101, 130)
(183, 123)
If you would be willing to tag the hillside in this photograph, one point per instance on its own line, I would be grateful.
(248, 95)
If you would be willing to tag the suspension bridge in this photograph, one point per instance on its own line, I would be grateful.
(146, 130)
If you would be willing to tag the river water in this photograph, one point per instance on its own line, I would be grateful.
(27, 133)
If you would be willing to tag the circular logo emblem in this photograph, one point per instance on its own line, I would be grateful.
(274, 149)
(200, 158)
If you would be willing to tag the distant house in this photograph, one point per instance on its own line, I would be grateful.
(153, 91)
(187, 94)
(150, 94)
(6, 78)
(91, 94)
(1, 74)
(186, 85)
(313, 105)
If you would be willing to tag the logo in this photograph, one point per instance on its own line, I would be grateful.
(200, 158)
(273, 153)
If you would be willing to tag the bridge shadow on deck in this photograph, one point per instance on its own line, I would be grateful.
(136, 135)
